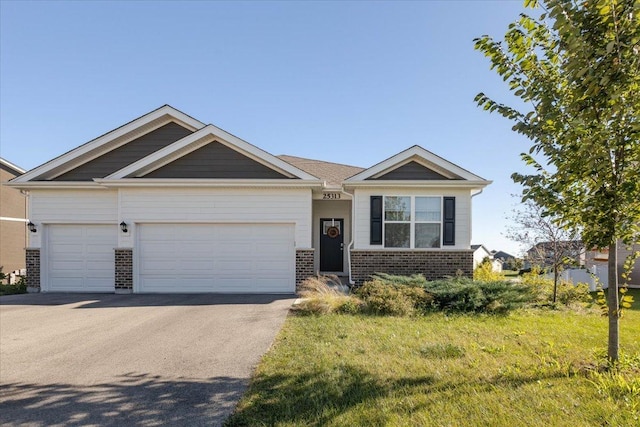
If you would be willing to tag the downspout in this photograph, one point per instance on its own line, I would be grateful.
(353, 228)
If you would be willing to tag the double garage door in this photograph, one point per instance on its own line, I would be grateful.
(176, 258)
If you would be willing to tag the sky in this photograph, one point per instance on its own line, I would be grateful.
(345, 82)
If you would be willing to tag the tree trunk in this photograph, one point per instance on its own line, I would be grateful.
(555, 282)
(613, 304)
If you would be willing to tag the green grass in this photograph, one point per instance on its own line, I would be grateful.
(531, 368)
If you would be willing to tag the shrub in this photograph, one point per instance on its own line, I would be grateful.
(484, 271)
(542, 287)
(323, 295)
(19, 288)
(465, 295)
(569, 293)
(390, 279)
(386, 298)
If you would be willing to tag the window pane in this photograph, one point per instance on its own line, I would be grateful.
(427, 235)
(428, 209)
(397, 235)
(397, 208)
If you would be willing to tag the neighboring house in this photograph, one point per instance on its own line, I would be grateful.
(13, 240)
(507, 260)
(597, 262)
(166, 203)
(543, 253)
(480, 253)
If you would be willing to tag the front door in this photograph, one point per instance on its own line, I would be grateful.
(332, 244)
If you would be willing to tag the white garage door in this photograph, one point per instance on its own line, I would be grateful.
(80, 258)
(226, 258)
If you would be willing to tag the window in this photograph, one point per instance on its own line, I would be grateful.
(412, 221)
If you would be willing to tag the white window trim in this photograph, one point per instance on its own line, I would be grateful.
(412, 222)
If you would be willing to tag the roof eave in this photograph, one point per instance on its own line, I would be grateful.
(478, 184)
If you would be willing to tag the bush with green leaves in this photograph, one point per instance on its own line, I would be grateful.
(466, 295)
(484, 272)
(20, 287)
(393, 299)
(542, 287)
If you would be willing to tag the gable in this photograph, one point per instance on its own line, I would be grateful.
(411, 171)
(215, 161)
(126, 154)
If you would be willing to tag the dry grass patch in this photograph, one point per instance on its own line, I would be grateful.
(324, 295)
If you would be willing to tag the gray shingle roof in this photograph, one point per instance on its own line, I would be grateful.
(332, 173)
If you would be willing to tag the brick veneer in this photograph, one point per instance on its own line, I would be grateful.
(304, 265)
(432, 264)
(124, 270)
(33, 270)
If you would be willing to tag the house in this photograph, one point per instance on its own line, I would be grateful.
(543, 254)
(480, 253)
(13, 230)
(597, 262)
(508, 261)
(166, 203)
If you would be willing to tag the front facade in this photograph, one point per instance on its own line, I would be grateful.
(166, 203)
(13, 208)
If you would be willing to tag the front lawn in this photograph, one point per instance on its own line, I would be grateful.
(530, 368)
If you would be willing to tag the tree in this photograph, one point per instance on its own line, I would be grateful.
(576, 67)
(550, 246)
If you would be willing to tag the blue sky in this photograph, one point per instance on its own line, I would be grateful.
(348, 82)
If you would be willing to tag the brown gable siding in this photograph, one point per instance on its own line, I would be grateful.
(215, 160)
(125, 155)
(412, 171)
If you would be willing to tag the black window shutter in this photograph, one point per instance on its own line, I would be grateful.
(376, 220)
(449, 221)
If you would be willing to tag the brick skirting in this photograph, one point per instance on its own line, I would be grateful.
(124, 270)
(304, 265)
(431, 264)
(33, 270)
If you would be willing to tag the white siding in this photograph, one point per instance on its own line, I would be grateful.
(362, 205)
(213, 205)
(70, 207)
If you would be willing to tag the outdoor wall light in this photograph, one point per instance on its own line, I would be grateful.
(123, 227)
(32, 227)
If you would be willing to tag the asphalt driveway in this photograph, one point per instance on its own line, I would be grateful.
(71, 359)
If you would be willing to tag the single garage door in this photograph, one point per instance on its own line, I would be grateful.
(80, 258)
(226, 258)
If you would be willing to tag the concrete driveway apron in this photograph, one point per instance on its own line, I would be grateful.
(82, 359)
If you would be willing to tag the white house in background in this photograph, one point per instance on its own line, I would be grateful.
(480, 252)
(166, 203)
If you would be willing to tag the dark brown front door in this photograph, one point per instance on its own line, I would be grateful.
(331, 244)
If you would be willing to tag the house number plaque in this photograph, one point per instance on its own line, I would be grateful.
(331, 196)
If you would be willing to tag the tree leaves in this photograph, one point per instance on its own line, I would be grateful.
(578, 66)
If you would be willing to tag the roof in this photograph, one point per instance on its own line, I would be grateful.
(332, 173)
(502, 255)
(17, 169)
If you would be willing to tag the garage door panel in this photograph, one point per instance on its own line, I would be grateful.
(80, 258)
(229, 258)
